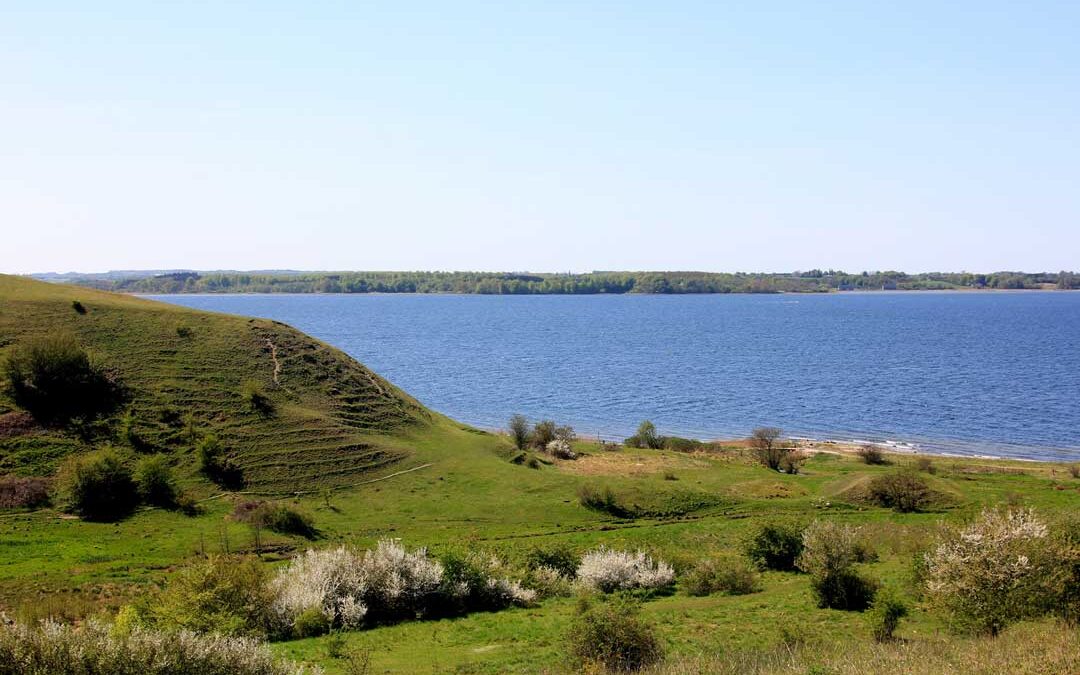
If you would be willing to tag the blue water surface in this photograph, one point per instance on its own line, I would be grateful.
(964, 372)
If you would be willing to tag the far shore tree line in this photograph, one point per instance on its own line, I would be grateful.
(500, 283)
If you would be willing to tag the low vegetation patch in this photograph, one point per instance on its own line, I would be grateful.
(96, 648)
(276, 517)
(644, 437)
(23, 492)
(885, 615)
(728, 576)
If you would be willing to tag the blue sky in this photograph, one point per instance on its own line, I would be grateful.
(540, 136)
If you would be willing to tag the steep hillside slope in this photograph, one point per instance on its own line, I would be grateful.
(186, 373)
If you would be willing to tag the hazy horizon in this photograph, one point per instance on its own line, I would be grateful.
(563, 137)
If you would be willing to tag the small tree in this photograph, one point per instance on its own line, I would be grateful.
(830, 552)
(768, 447)
(645, 437)
(98, 486)
(215, 465)
(519, 431)
(543, 433)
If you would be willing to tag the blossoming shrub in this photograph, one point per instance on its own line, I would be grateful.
(992, 572)
(561, 448)
(830, 553)
(607, 570)
(389, 583)
(97, 649)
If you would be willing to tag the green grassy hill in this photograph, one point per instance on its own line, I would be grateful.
(334, 421)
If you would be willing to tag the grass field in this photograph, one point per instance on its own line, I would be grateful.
(398, 470)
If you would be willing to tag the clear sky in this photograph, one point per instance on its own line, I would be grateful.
(543, 136)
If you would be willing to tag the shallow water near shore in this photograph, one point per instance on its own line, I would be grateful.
(966, 373)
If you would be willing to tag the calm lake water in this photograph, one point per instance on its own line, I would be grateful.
(970, 373)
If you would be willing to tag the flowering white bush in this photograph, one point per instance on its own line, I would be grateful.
(331, 580)
(93, 648)
(389, 582)
(991, 572)
(398, 581)
(561, 448)
(608, 570)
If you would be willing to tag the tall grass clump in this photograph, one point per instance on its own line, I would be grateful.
(992, 572)
(256, 398)
(611, 635)
(96, 648)
(608, 570)
(830, 553)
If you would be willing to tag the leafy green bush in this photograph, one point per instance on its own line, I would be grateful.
(775, 546)
(223, 594)
(732, 577)
(681, 444)
(1065, 582)
(902, 491)
(645, 437)
(155, 481)
(55, 381)
(256, 398)
(885, 615)
(98, 486)
(612, 635)
(312, 622)
(215, 465)
(559, 558)
(830, 552)
(1074, 470)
